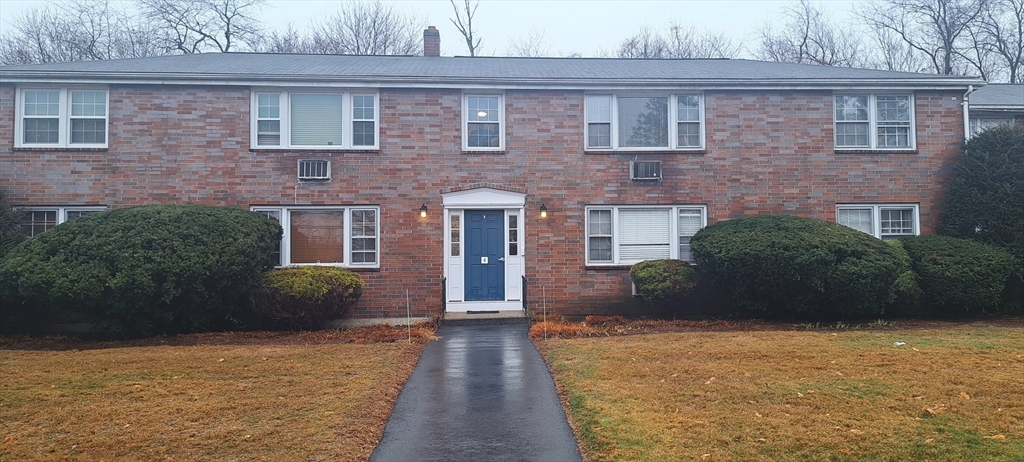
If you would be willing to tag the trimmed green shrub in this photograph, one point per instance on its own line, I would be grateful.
(959, 276)
(790, 266)
(985, 197)
(906, 288)
(306, 296)
(663, 281)
(158, 269)
(10, 232)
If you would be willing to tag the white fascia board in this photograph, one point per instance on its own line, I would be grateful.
(479, 84)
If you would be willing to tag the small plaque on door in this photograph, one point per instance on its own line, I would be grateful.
(483, 260)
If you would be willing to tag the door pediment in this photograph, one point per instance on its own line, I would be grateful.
(483, 198)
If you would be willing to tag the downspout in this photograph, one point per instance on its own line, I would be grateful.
(967, 112)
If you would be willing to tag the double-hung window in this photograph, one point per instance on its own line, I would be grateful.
(483, 122)
(885, 221)
(869, 121)
(34, 220)
(628, 122)
(314, 235)
(624, 235)
(314, 120)
(62, 118)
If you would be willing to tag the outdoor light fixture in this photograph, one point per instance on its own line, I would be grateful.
(481, 114)
(423, 210)
(543, 211)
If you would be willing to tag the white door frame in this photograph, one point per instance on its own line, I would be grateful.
(455, 203)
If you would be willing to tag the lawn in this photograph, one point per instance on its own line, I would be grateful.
(948, 393)
(283, 397)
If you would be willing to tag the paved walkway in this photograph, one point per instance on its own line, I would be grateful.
(480, 393)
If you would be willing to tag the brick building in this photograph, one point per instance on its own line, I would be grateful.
(469, 183)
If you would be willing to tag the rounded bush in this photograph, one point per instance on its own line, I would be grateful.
(306, 296)
(663, 281)
(959, 276)
(156, 269)
(791, 266)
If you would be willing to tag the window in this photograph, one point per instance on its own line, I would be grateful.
(34, 220)
(625, 235)
(343, 236)
(881, 221)
(59, 117)
(874, 121)
(979, 125)
(483, 122)
(645, 122)
(314, 120)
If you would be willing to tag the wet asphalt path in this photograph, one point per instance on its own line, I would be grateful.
(480, 393)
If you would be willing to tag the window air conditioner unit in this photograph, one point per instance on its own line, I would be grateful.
(645, 171)
(314, 169)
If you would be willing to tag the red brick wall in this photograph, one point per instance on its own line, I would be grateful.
(767, 152)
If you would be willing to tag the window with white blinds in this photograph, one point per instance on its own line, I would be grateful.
(314, 120)
(624, 235)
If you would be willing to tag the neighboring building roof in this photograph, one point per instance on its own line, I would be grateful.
(463, 72)
(1006, 96)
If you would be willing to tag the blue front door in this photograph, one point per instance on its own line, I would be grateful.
(485, 255)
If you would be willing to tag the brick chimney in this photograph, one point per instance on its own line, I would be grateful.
(431, 42)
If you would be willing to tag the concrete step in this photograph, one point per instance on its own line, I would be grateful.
(471, 318)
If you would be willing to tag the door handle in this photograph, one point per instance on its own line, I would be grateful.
(501, 259)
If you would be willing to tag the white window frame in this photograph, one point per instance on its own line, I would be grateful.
(64, 118)
(347, 111)
(980, 124)
(61, 211)
(876, 217)
(284, 212)
(673, 230)
(873, 123)
(466, 121)
(673, 122)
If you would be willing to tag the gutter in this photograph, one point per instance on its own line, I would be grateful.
(967, 112)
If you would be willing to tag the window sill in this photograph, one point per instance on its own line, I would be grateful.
(315, 151)
(641, 152)
(473, 152)
(876, 151)
(60, 148)
(608, 267)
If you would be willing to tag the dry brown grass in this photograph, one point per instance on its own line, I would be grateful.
(246, 396)
(950, 393)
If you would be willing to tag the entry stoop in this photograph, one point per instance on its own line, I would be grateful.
(473, 318)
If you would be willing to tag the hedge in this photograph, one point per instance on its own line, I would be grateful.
(786, 266)
(663, 281)
(146, 270)
(305, 297)
(959, 276)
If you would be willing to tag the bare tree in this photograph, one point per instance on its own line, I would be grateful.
(76, 30)
(288, 41)
(195, 26)
(893, 54)
(1001, 31)
(810, 36)
(368, 28)
(679, 42)
(465, 25)
(531, 45)
(937, 29)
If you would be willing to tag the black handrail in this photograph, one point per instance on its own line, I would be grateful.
(444, 295)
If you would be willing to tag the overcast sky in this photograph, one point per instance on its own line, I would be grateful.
(569, 26)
